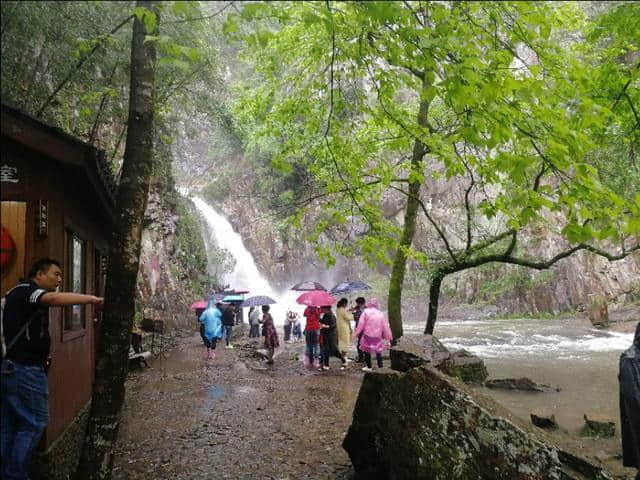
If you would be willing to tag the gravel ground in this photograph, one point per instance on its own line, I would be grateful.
(235, 417)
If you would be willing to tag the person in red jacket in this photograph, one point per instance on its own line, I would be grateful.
(311, 335)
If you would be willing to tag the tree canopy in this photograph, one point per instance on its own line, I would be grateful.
(522, 108)
(492, 122)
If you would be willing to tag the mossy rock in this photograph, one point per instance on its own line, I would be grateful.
(421, 424)
(598, 427)
(467, 367)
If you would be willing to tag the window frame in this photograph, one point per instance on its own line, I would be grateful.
(71, 235)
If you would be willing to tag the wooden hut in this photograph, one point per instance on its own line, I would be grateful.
(58, 199)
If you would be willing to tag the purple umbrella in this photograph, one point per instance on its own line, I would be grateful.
(258, 301)
(307, 286)
(349, 287)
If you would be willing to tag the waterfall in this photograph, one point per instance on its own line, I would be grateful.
(245, 275)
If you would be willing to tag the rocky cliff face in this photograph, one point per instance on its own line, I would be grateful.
(281, 252)
(572, 284)
(172, 262)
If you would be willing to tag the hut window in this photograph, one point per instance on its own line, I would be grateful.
(74, 318)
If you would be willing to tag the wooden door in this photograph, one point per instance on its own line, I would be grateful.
(14, 216)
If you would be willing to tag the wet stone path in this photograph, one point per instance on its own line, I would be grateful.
(235, 417)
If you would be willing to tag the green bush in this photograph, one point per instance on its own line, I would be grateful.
(190, 249)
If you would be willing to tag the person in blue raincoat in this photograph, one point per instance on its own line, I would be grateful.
(630, 403)
(211, 318)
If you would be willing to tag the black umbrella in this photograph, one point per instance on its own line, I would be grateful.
(258, 301)
(307, 286)
(349, 287)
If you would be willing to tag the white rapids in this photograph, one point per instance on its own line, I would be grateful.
(528, 337)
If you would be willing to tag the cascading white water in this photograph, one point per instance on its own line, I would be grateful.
(245, 275)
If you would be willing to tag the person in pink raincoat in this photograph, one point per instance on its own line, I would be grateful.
(376, 333)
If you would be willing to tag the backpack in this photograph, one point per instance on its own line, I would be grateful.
(5, 347)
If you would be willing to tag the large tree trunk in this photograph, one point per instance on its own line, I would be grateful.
(434, 297)
(409, 229)
(124, 254)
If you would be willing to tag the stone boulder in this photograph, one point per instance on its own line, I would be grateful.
(422, 424)
(428, 350)
(467, 367)
(523, 383)
(544, 420)
(598, 312)
(413, 352)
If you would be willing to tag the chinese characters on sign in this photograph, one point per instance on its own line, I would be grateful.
(8, 174)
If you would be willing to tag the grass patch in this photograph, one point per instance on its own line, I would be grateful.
(539, 315)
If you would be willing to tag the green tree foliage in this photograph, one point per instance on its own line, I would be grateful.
(612, 48)
(41, 43)
(501, 101)
(68, 62)
(80, 52)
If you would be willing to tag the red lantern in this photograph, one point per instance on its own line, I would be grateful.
(7, 248)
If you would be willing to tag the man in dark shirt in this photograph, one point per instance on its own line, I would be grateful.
(357, 311)
(24, 412)
(329, 345)
(228, 320)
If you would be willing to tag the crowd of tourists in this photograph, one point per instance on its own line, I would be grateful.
(24, 323)
(218, 320)
(326, 334)
(330, 335)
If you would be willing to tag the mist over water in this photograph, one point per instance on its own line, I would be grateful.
(245, 275)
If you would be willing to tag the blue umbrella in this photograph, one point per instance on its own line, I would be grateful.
(258, 301)
(349, 287)
(233, 298)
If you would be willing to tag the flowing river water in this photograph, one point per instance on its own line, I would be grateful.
(565, 353)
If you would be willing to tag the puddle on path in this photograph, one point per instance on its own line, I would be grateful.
(214, 392)
(244, 390)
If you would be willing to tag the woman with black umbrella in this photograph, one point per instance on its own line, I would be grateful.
(329, 345)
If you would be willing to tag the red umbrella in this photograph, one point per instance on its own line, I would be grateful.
(316, 298)
(199, 305)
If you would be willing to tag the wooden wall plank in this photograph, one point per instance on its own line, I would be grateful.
(13, 216)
